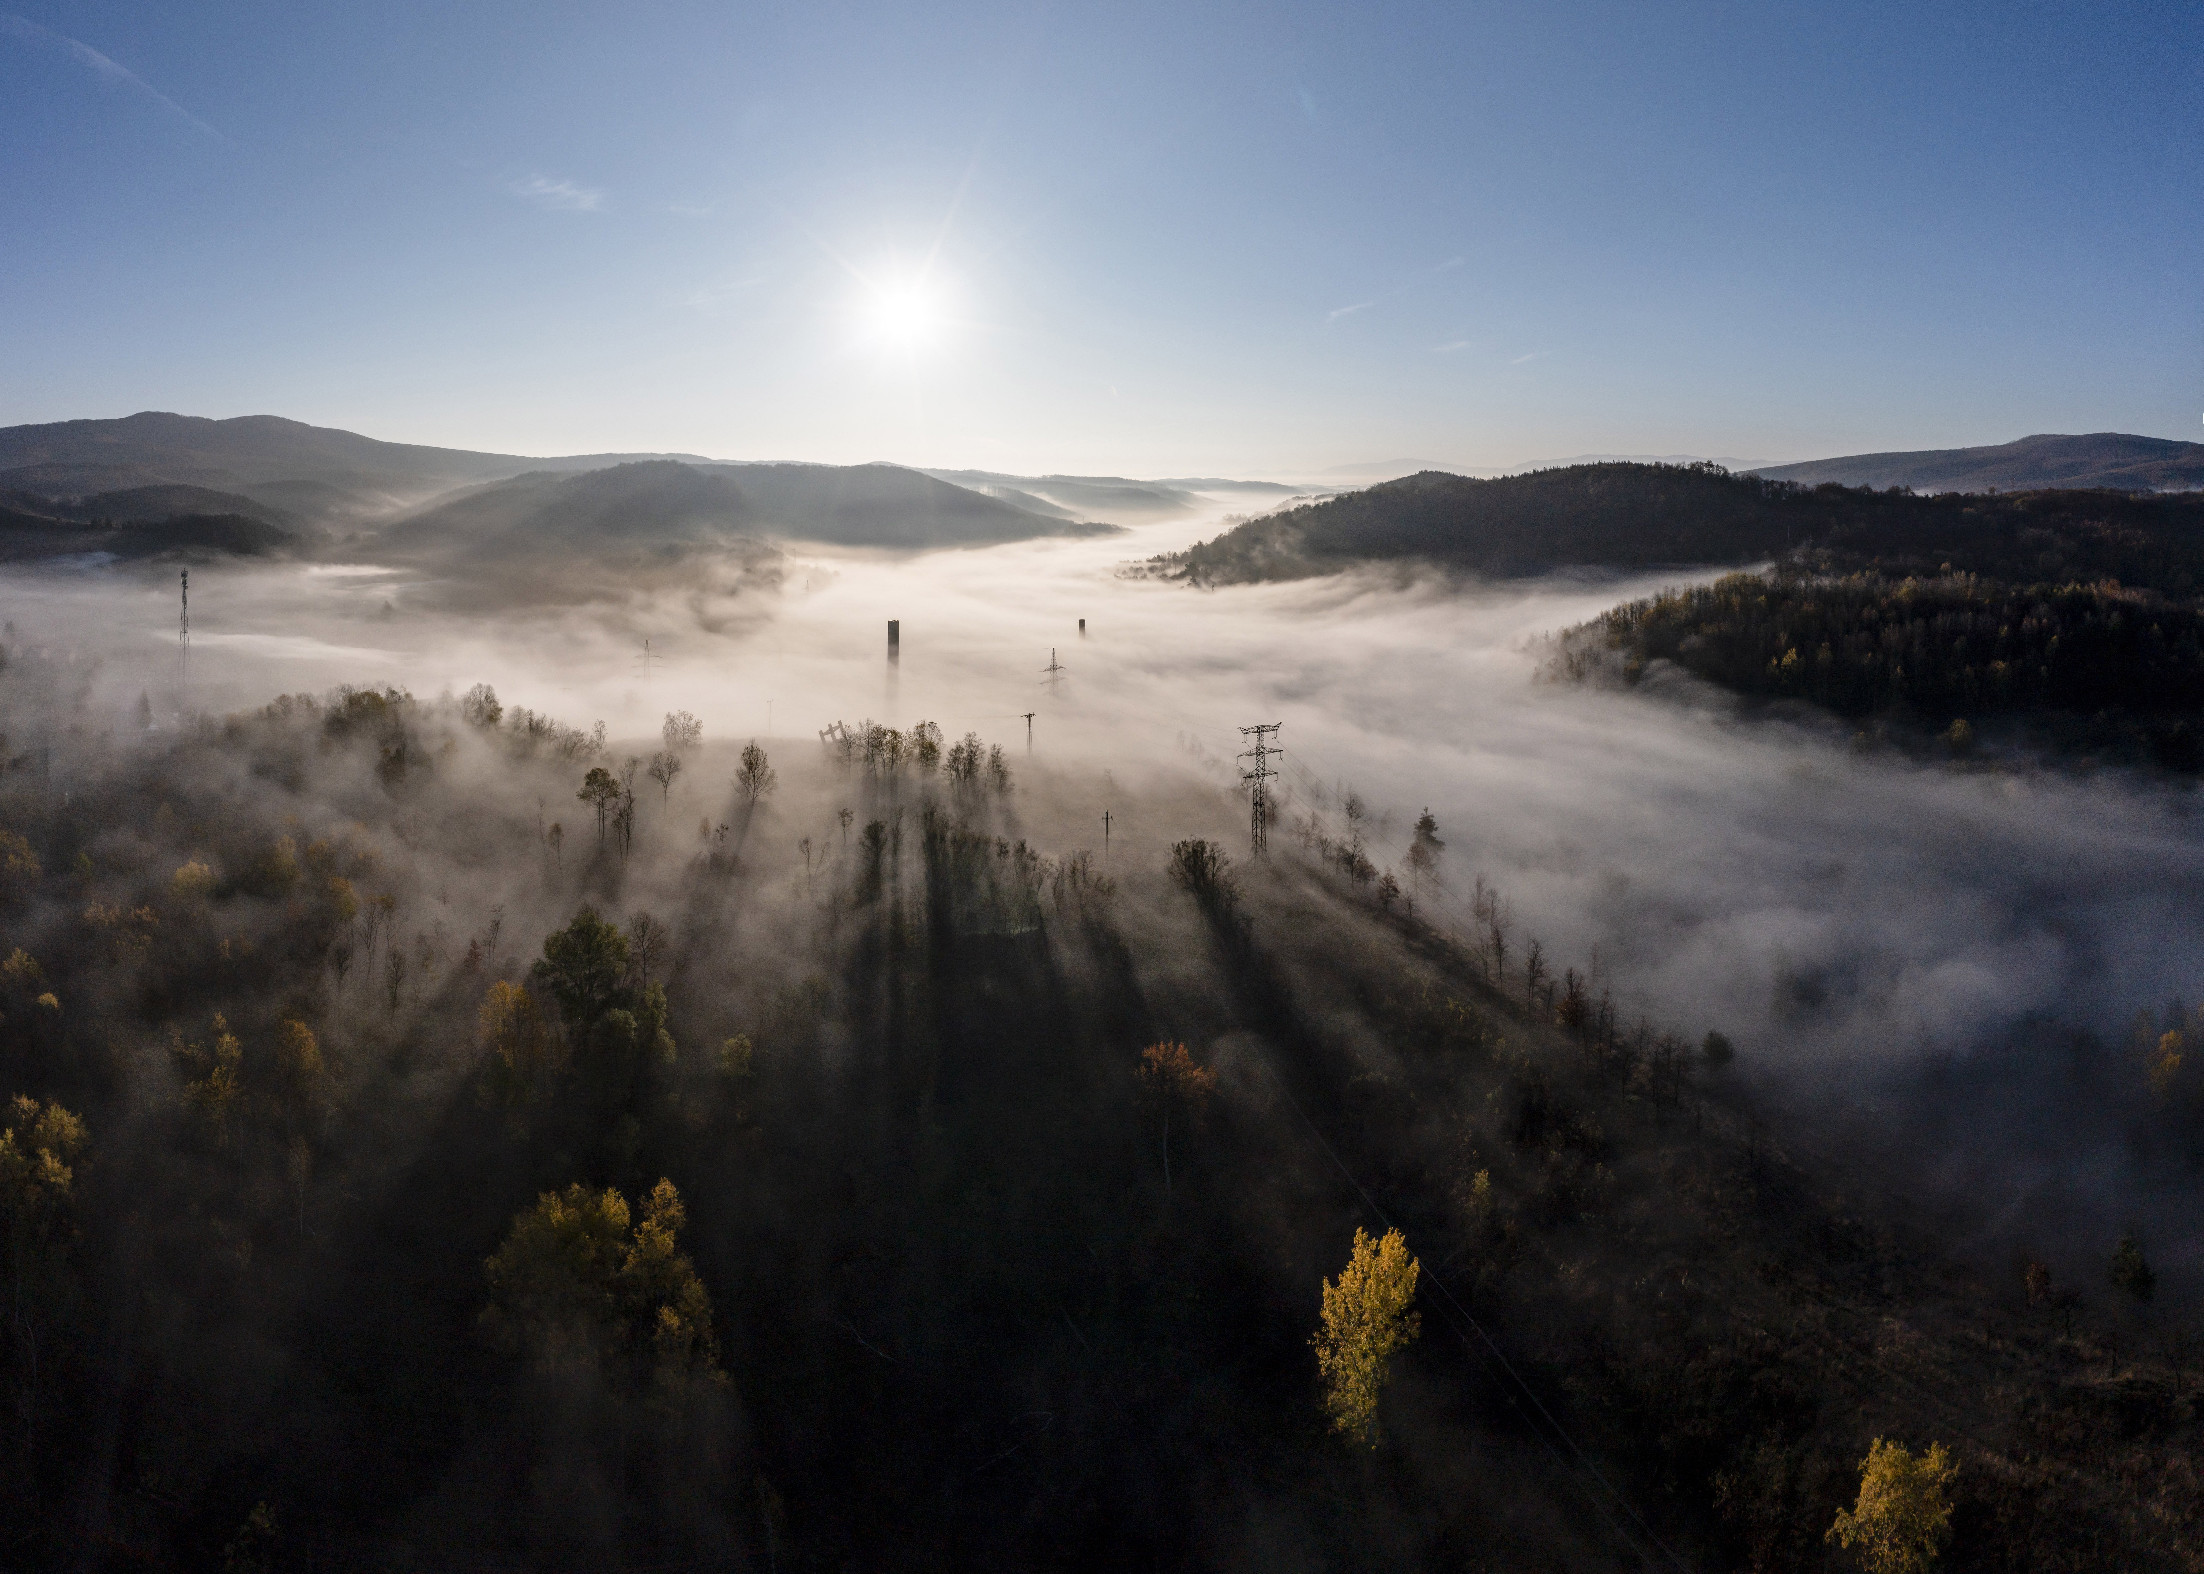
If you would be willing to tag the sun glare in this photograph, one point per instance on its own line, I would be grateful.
(903, 314)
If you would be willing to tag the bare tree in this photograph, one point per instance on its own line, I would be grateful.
(757, 778)
(665, 765)
(681, 731)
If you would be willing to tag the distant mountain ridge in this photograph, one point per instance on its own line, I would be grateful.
(310, 488)
(666, 504)
(2116, 460)
(312, 471)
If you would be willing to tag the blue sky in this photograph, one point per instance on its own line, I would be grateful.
(1160, 239)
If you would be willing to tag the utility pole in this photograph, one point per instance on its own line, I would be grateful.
(1028, 731)
(1105, 837)
(183, 631)
(1258, 824)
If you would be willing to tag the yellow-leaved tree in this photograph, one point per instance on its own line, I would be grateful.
(214, 1079)
(38, 1145)
(1366, 1317)
(578, 1279)
(1903, 1517)
(515, 1042)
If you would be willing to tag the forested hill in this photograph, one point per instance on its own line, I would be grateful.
(2073, 617)
(1639, 516)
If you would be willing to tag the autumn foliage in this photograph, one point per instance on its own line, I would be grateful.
(1366, 1318)
(1903, 1517)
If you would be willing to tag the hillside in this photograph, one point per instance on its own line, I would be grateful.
(312, 471)
(414, 1175)
(1618, 514)
(2101, 459)
(2070, 620)
(1642, 516)
(141, 522)
(664, 504)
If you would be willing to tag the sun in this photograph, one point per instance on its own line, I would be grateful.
(903, 314)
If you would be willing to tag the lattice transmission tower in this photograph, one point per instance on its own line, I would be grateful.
(1258, 780)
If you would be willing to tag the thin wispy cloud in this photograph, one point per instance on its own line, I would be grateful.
(1451, 347)
(559, 195)
(1533, 356)
(108, 71)
(1414, 283)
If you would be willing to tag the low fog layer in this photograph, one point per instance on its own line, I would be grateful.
(1855, 921)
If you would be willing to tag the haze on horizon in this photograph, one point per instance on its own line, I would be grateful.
(1263, 241)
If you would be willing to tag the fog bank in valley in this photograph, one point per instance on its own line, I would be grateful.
(1859, 923)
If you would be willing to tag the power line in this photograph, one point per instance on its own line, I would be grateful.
(1499, 1358)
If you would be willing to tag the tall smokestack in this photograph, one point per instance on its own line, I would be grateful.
(895, 639)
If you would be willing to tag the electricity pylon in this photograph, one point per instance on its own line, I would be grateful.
(1258, 779)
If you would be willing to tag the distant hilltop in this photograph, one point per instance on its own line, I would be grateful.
(291, 474)
(2114, 460)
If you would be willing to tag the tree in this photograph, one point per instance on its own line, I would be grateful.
(1172, 1080)
(965, 758)
(605, 1001)
(2130, 1271)
(665, 765)
(214, 1079)
(1903, 1517)
(1203, 869)
(18, 864)
(515, 1042)
(479, 706)
(757, 778)
(681, 731)
(301, 1082)
(623, 821)
(1366, 1318)
(39, 1145)
(2163, 1066)
(584, 966)
(574, 1282)
(926, 746)
(600, 789)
